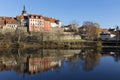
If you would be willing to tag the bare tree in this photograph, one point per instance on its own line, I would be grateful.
(91, 30)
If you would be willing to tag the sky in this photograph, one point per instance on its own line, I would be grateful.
(104, 12)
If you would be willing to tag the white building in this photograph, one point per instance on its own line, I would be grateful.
(107, 36)
(36, 23)
(55, 23)
(11, 24)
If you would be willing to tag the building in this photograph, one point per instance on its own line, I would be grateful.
(8, 24)
(110, 34)
(107, 36)
(37, 23)
(23, 18)
(29, 23)
(42, 64)
(47, 24)
(24, 12)
(70, 28)
(2, 22)
(11, 23)
(54, 22)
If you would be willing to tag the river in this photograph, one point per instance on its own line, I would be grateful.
(65, 64)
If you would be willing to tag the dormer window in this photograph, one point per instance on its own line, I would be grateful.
(32, 16)
(37, 17)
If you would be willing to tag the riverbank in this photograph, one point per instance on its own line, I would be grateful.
(57, 44)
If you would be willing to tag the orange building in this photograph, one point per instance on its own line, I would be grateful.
(47, 25)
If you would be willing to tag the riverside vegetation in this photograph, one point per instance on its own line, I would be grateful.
(41, 40)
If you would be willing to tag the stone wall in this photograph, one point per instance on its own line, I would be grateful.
(60, 37)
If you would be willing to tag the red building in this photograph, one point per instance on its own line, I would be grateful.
(47, 25)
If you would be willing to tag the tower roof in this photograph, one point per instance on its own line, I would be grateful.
(24, 11)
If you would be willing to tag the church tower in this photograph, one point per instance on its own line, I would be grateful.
(24, 12)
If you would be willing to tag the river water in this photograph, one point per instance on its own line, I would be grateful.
(56, 64)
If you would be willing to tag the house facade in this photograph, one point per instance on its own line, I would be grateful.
(35, 23)
(8, 24)
(11, 23)
(47, 24)
(107, 36)
(30, 22)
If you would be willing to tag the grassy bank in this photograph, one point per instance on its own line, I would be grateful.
(56, 44)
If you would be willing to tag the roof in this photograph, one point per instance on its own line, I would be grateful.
(104, 31)
(111, 30)
(10, 21)
(52, 20)
(20, 17)
(7, 20)
(2, 22)
(34, 16)
(46, 18)
(1, 18)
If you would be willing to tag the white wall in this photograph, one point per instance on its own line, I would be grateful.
(12, 26)
(107, 36)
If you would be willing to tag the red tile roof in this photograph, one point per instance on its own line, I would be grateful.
(52, 20)
(20, 17)
(104, 30)
(10, 21)
(2, 22)
(46, 18)
(34, 16)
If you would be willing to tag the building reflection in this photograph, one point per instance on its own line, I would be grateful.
(34, 61)
(37, 65)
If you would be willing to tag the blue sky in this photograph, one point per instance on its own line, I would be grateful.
(104, 12)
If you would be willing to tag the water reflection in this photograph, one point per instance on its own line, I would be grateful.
(114, 52)
(34, 61)
(91, 58)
